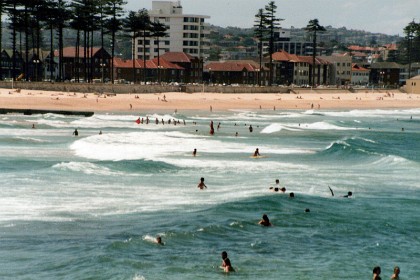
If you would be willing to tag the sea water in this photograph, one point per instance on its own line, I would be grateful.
(90, 207)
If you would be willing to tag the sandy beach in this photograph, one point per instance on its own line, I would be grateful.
(49, 100)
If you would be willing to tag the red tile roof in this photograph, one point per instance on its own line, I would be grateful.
(179, 57)
(71, 51)
(230, 66)
(150, 64)
(285, 56)
(356, 67)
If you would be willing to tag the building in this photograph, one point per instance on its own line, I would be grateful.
(170, 67)
(385, 74)
(96, 65)
(413, 85)
(235, 72)
(291, 68)
(7, 71)
(186, 33)
(359, 75)
(340, 70)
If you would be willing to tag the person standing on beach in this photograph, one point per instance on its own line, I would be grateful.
(201, 185)
(226, 265)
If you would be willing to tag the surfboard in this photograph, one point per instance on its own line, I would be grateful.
(258, 156)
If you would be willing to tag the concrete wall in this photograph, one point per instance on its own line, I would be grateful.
(108, 88)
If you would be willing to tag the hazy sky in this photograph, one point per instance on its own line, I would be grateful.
(383, 16)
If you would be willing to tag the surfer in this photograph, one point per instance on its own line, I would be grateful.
(201, 185)
(265, 221)
(195, 152)
(75, 132)
(257, 153)
(226, 265)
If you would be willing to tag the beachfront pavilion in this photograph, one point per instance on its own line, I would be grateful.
(413, 85)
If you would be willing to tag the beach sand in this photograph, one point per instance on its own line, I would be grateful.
(49, 100)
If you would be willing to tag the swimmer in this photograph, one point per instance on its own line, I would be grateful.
(195, 152)
(201, 185)
(265, 221)
(396, 274)
(159, 240)
(307, 210)
(250, 128)
(376, 273)
(100, 132)
(292, 195)
(236, 134)
(33, 125)
(226, 265)
(349, 194)
(256, 153)
(75, 132)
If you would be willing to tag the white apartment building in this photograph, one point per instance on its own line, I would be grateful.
(186, 33)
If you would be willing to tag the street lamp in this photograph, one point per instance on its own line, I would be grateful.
(381, 77)
(36, 62)
(159, 73)
(102, 70)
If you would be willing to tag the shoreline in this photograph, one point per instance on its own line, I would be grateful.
(170, 101)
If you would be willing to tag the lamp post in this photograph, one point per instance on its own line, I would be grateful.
(210, 81)
(258, 70)
(36, 62)
(159, 73)
(381, 77)
(102, 70)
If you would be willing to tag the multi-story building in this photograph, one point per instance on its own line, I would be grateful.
(340, 71)
(186, 33)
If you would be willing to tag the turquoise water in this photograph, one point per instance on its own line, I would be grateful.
(89, 207)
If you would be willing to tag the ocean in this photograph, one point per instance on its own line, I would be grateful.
(91, 206)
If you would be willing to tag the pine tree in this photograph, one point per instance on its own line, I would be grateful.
(314, 27)
(272, 23)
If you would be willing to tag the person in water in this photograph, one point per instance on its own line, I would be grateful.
(211, 128)
(257, 153)
(250, 128)
(349, 194)
(265, 221)
(226, 265)
(396, 274)
(195, 152)
(159, 240)
(201, 185)
(75, 132)
(376, 273)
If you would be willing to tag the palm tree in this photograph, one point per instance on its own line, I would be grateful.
(314, 27)
(158, 30)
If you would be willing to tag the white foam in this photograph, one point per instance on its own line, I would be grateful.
(85, 167)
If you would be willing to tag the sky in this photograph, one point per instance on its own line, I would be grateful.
(381, 16)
